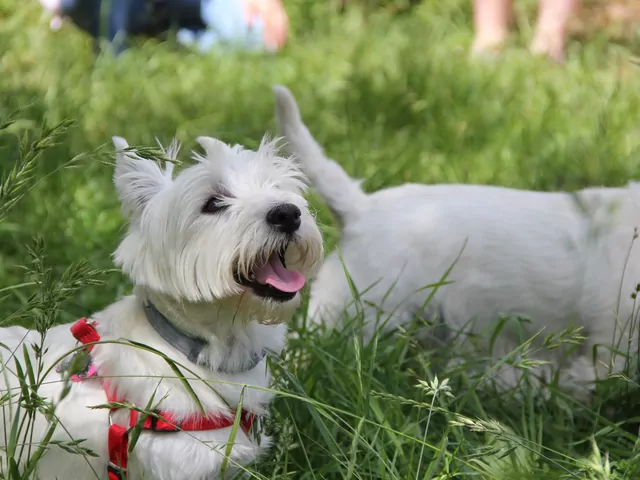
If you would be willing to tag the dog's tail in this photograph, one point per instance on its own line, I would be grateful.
(343, 194)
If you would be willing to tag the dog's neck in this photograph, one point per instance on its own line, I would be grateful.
(190, 346)
(219, 335)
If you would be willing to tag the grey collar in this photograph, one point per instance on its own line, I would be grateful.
(190, 346)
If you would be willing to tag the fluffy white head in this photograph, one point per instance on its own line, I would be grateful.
(233, 224)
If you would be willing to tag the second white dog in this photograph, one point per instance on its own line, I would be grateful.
(559, 259)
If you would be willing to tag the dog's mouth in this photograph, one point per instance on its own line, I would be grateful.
(273, 280)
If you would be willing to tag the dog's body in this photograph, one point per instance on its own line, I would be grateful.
(560, 259)
(205, 250)
(162, 456)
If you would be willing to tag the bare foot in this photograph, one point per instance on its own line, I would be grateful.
(551, 29)
(548, 46)
(491, 23)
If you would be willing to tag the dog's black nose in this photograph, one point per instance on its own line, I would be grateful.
(285, 217)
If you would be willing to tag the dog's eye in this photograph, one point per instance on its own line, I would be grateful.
(214, 205)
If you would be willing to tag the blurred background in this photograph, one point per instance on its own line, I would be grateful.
(393, 91)
(387, 86)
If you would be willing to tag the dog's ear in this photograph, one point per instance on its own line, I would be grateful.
(213, 147)
(137, 180)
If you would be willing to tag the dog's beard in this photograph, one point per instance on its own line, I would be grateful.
(276, 271)
(207, 266)
(300, 254)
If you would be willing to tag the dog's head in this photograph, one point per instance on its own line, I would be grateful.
(233, 224)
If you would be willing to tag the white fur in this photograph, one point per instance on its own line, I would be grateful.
(182, 260)
(558, 258)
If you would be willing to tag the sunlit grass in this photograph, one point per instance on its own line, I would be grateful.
(394, 99)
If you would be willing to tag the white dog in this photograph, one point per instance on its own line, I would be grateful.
(218, 256)
(559, 259)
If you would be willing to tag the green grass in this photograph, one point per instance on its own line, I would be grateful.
(394, 98)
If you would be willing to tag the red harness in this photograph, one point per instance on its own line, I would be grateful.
(118, 442)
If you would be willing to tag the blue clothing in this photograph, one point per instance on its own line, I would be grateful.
(226, 25)
(200, 23)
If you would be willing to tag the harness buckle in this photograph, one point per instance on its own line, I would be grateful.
(115, 472)
(117, 468)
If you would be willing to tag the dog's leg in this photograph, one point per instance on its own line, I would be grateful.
(330, 293)
(611, 348)
(510, 362)
(578, 378)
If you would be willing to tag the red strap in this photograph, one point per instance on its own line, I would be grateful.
(119, 436)
(119, 448)
(247, 420)
(118, 452)
(168, 423)
(85, 332)
(118, 440)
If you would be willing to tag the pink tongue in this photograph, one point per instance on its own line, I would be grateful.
(275, 274)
